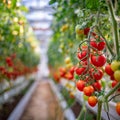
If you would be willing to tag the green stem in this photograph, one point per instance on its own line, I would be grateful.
(99, 110)
(108, 46)
(112, 90)
(83, 110)
(115, 27)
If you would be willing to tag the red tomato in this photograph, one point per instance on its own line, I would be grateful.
(114, 83)
(118, 108)
(98, 75)
(8, 59)
(86, 31)
(80, 85)
(82, 56)
(92, 101)
(108, 70)
(72, 70)
(97, 86)
(94, 44)
(101, 45)
(112, 77)
(79, 71)
(88, 90)
(98, 61)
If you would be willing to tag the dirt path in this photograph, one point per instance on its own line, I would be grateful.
(43, 105)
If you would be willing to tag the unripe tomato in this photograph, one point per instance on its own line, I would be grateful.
(67, 60)
(115, 65)
(80, 85)
(92, 101)
(117, 75)
(118, 108)
(85, 97)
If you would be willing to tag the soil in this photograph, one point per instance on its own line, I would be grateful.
(7, 108)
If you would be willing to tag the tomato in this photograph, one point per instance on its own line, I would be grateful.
(101, 45)
(114, 83)
(85, 97)
(8, 59)
(67, 60)
(118, 108)
(115, 65)
(108, 69)
(92, 101)
(86, 31)
(98, 61)
(80, 85)
(112, 77)
(93, 43)
(79, 71)
(72, 70)
(69, 76)
(62, 72)
(82, 56)
(97, 86)
(117, 75)
(98, 75)
(88, 90)
(78, 30)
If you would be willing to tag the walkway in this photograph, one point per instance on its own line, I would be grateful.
(43, 104)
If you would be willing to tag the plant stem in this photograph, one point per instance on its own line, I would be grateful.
(115, 27)
(108, 46)
(112, 91)
(83, 110)
(99, 110)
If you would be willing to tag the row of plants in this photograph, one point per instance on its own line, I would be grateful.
(17, 43)
(85, 49)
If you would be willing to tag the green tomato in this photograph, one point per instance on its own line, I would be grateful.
(85, 97)
(117, 75)
(115, 65)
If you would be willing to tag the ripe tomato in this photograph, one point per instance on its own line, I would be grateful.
(80, 85)
(115, 65)
(98, 75)
(108, 70)
(82, 56)
(93, 43)
(118, 108)
(86, 31)
(72, 70)
(79, 71)
(101, 45)
(114, 83)
(117, 75)
(92, 101)
(97, 86)
(88, 90)
(98, 61)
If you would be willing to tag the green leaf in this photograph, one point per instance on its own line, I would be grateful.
(52, 2)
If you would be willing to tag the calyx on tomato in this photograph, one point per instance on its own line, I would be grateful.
(98, 61)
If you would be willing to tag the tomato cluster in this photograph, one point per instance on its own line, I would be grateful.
(91, 60)
(14, 68)
(113, 71)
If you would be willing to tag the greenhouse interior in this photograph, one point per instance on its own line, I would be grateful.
(60, 60)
